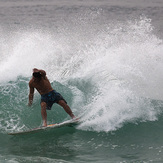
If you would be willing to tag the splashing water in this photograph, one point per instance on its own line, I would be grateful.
(114, 72)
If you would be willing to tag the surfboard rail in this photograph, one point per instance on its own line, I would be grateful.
(69, 123)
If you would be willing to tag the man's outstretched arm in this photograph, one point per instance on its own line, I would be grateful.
(31, 95)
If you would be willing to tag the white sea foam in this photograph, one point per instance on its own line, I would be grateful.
(118, 69)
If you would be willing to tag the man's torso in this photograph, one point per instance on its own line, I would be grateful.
(43, 85)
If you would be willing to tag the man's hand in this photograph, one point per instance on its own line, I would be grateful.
(29, 104)
(35, 70)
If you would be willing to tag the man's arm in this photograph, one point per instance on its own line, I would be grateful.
(31, 95)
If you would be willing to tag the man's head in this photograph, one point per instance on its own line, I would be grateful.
(37, 75)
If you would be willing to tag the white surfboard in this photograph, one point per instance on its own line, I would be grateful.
(69, 123)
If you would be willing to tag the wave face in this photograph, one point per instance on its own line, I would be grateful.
(105, 58)
(111, 76)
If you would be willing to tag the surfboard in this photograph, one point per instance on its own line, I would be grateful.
(69, 123)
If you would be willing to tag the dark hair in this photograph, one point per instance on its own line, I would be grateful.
(37, 74)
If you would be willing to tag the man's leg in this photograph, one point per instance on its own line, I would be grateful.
(43, 113)
(66, 108)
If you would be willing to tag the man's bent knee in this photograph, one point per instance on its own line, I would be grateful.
(62, 103)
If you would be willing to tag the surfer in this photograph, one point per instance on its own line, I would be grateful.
(49, 96)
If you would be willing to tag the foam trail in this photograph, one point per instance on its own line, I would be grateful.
(127, 77)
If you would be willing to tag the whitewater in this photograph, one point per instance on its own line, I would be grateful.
(110, 73)
(114, 74)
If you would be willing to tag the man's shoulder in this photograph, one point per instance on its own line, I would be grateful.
(31, 82)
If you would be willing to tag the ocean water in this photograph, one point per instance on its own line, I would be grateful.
(105, 58)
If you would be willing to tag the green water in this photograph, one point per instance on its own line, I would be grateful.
(134, 142)
(105, 58)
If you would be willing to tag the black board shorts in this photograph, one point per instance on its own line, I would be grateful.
(51, 98)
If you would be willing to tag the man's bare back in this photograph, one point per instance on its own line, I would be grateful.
(42, 84)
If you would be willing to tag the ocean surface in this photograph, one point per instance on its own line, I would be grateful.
(105, 57)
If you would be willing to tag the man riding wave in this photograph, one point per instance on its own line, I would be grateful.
(49, 96)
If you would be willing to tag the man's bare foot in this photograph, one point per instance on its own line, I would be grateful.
(44, 124)
(75, 118)
(72, 116)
